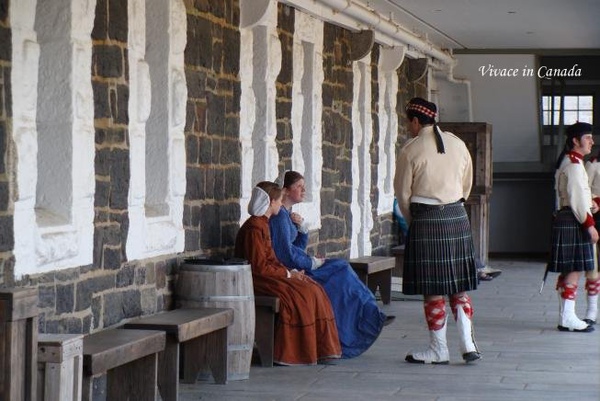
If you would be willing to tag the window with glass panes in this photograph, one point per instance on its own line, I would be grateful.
(576, 108)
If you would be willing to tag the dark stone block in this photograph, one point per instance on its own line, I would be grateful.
(7, 90)
(232, 182)
(69, 325)
(196, 83)
(65, 298)
(117, 23)
(194, 184)
(160, 272)
(111, 258)
(215, 114)
(119, 178)
(125, 276)
(101, 104)
(102, 194)
(210, 227)
(232, 127)
(86, 290)
(200, 117)
(191, 148)
(192, 240)
(200, 39)
(46, 296)
(99, 32)
(107, 61)
(5, 44)
(202, 5)
(121, 106)
(139, 276)
(205, 146)
(4, 10)
(231, 52)
(97, 311)
(7, 235)
(231, 152)
(4, 194)
(195, 216)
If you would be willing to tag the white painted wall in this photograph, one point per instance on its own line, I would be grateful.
(509, 103)
(50, 235)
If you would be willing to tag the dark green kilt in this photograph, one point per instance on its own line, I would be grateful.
(572, 250)
(439, 255)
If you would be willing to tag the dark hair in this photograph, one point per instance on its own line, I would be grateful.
(423, 118)
(425, 112)
(271, 189)
(291, 177)
(576, 130)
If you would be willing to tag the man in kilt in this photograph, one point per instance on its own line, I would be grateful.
(434, 175)
(573, 232)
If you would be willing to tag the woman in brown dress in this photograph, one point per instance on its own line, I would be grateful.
(306, 332)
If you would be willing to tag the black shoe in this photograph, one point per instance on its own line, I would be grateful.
(471, 356)
(389, 319)
(590, 322)
(588, 329)
(327, 362)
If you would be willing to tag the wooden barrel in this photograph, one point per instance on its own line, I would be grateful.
(223, 286)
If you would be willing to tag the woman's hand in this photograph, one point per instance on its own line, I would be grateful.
(298, 274)
(296, 218)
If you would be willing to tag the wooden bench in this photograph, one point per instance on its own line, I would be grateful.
(398, 252)
(60, 365)
(266, 308)
(376, 272)
(202, 334)
(128, 357)
(18, 344)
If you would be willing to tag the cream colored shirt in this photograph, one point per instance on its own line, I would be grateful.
(573, 189)
(423, 172)
(593, 171)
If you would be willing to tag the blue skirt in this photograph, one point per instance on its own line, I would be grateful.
(439, 256)
(572, 250)
(357, 315)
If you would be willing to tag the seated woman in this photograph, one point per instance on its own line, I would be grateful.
(306, 331)
(358, 317)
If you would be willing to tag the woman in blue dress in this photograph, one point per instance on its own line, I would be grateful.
(358, 317)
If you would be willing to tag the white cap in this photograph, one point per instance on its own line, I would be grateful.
(259, 202)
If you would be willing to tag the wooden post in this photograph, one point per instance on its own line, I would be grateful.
(60, 363)
(18, 344)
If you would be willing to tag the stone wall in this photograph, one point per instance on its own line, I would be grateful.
(87, 298)
(6, 216)
(212, 211)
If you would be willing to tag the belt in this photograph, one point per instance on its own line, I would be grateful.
(424, 207)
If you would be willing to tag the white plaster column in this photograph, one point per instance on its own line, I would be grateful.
(154, 229)
(44, 241)
(260, 63)
(390, 58)
(307, 113)
(362, 126)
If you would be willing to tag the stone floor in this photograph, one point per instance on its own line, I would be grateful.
(524, 356)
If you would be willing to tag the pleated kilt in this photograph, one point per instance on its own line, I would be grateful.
(572, 250)
(439, 256)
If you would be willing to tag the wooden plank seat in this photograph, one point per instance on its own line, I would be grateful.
(267, 308)
(60, 365)
(128, 357)
(376, 272)
(202, 334)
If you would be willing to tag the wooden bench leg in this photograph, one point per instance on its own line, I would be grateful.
(265, 335)
(208, 350)
(133, 381)
(385, 286)
(168, 366)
